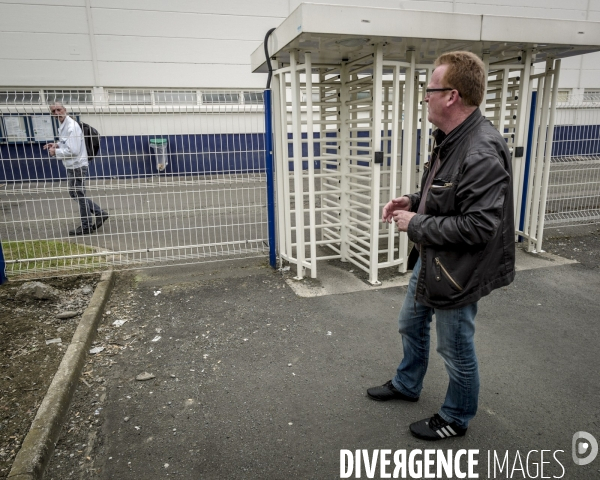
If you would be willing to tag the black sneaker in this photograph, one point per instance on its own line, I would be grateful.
(101, 220)
(82, 231)
(436, 428)
(387, 391)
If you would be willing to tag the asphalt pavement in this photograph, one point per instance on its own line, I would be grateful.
(254, 381)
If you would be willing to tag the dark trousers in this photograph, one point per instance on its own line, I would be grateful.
(76, 179)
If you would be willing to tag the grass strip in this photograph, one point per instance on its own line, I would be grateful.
(25, 251)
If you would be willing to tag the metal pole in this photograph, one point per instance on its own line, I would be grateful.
(522, 138)
(297, 150)
(425, 136)
(280, 160)
(409, 164)
(269, 168)
(375, 167)
(396, 131)
(344, 162)
(310, 140)
(485, 58)
(548, 159)
(541, 143)
(527, 162)
(503, 100)
(283, 173)
(3, 278)
(527, 229)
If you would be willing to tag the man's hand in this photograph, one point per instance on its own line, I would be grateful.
(402, 219)
(51, 147)
(400, 203)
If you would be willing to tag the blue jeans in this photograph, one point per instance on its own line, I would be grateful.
(455, 343)
(76, 181)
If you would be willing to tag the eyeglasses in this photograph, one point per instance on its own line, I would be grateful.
(431, 90)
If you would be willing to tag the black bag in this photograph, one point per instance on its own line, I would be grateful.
(92, 140)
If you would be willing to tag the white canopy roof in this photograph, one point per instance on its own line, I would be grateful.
(333, 33)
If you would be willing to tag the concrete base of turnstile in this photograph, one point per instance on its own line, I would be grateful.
(334, 279)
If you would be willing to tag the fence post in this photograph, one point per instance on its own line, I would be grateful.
(269, 168)
(527, 162)
(3, 278)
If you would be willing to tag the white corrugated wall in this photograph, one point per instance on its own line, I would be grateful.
(198, 43)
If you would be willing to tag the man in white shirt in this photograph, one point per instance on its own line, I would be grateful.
(71, 150)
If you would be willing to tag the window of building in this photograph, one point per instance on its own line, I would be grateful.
(129, 97)
(253, 98)
(220, 98)
(132, 97)
(69, 97)
(563, 95)
(8, 97)
(591, 95)
(175, 97)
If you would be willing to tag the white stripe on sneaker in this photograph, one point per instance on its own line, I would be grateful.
(451, 431)
(448, 434)
(440, 433)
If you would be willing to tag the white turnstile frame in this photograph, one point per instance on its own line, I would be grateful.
(355, 99)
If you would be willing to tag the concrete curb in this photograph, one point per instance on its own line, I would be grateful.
(38, 446)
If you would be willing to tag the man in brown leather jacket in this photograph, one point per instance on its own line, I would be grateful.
(463, 228)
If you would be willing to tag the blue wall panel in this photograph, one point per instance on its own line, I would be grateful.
(570, 140)
(133, 157)
(213, 154)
